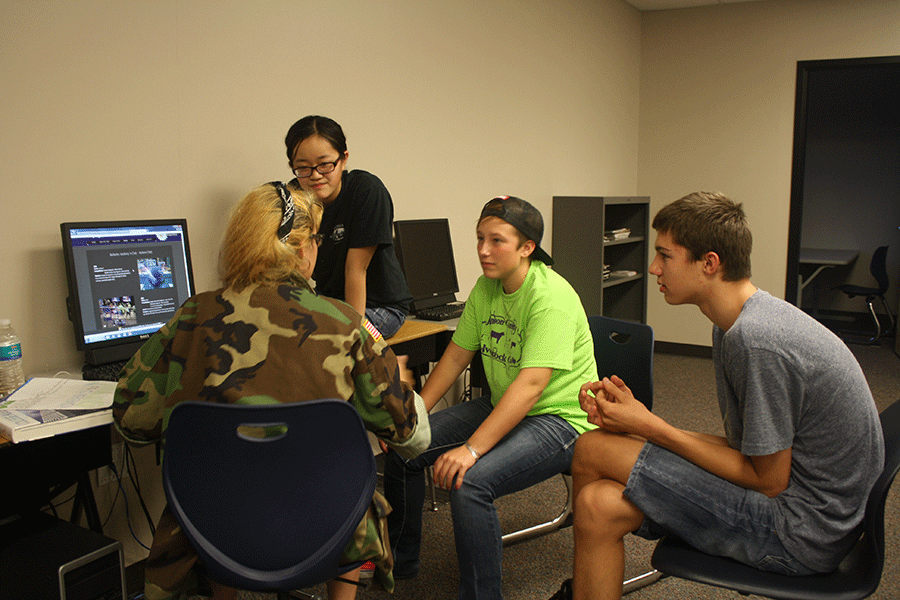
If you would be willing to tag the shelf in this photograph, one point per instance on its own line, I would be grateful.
(607, 283)
(582, 255)
(632, 239)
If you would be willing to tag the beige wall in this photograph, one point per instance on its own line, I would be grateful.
(717, 113)
(176, 108)
(160, 108)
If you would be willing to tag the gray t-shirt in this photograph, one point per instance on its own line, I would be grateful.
(785, 381)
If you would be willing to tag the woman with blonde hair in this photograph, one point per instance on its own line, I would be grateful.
(251, 340)
(259, 259)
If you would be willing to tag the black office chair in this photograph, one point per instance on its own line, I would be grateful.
(621, 348)
(269, 495)
(878, 268)
(856, 577)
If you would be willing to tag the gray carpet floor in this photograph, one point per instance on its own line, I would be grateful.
(684, 396)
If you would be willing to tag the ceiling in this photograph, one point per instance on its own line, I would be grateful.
(670, 4)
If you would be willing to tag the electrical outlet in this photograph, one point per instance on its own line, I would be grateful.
(105, 475)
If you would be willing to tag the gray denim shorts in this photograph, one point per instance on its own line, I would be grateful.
(713, 515)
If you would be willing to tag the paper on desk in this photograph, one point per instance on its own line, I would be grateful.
(47, 393)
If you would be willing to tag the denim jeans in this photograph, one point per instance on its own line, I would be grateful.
(536, 449)
(713, 515)
(386, 320)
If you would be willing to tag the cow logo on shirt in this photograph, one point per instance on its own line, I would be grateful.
(504, 341)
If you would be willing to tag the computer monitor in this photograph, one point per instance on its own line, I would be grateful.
(126, 280)
(425, 253)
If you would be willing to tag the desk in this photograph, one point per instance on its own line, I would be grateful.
(34, 467)
(414, 329)
(825, 258)
(425, 341)
(422, 341)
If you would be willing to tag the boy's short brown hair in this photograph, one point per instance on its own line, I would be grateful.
(710, 222)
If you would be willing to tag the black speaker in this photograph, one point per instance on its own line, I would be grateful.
(42, 557)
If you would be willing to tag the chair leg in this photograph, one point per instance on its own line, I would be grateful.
(889, 313)
(429, 480)
(870, 303)
(877, 335)
(641, 581)
(563, 520)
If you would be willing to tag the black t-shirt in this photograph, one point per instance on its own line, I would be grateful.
(362, 215)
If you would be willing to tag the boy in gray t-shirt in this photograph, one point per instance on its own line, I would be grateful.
(787, 486)
(785, 381)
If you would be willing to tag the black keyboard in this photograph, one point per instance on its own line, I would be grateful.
(105, 372)
(441, 313)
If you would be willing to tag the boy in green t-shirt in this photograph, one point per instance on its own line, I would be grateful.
(529, 327)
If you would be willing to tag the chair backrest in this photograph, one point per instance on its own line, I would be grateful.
(874, 520)
(878, 268)
(268, 495)
(625, 348)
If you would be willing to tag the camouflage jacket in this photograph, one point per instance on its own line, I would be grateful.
(260, 346)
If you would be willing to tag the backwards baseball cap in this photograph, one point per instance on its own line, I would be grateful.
(524, 217)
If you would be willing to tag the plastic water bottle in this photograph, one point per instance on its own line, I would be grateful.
(11, 373)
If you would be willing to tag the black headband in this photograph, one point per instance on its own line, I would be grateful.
(287, 211)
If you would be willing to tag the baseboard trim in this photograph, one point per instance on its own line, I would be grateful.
(683, 349)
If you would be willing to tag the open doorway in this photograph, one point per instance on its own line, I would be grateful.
(845, 187)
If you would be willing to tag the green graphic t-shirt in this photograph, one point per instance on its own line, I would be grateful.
(542, 324)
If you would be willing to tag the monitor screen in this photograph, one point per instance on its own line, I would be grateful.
(425, 253)
(126, 280)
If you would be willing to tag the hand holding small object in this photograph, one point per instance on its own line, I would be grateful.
(618, 410)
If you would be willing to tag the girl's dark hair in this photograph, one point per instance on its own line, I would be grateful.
(315, 125)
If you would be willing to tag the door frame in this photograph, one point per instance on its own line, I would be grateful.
(798, 167)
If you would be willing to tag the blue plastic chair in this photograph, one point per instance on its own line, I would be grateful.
(625, 348)
(270, 513)
(622, 348)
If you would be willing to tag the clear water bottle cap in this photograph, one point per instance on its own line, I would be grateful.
(4, 322)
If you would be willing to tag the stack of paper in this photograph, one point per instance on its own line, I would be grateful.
(47, 406)
(616, 234)
(621, 274)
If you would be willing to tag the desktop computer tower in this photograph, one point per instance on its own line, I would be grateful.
(42, 557)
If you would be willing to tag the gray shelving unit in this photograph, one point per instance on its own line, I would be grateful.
(580, 251)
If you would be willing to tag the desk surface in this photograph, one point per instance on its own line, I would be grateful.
(413, 329)
(827, 256)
